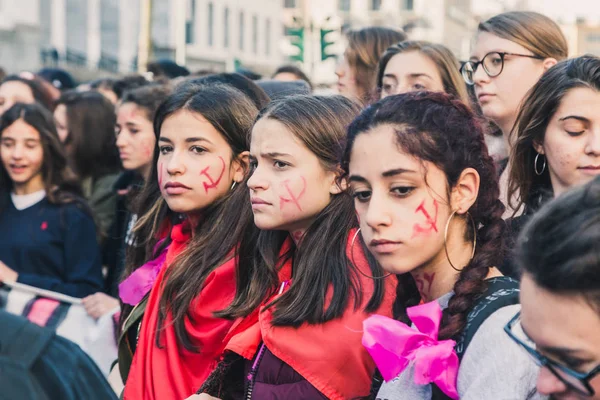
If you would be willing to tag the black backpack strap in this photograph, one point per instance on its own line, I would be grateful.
(501, 292)
(23, 341)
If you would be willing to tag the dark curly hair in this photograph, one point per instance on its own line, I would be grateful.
(439, 128)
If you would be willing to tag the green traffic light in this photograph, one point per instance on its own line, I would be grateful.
(297, 41)
(325, 44)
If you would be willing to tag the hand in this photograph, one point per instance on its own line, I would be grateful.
(7, 274)
(98, 304)
(202, 396)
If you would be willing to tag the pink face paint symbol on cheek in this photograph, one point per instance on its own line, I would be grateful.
(431, 223)
(213, 184)
(293, 198)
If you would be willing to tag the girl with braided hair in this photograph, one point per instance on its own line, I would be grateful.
(427, 197)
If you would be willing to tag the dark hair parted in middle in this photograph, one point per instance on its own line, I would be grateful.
(214, 240)
(446, 63)
(91, 140)
(533, 119)
(321, 263)
(440, 129)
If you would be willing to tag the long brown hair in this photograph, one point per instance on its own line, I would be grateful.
(321, 262)
(216, 237)
(91, 140)
(60, 182)
(365, 47)
(537, 110)
(440, 129)
(444, 59)
(536, 32)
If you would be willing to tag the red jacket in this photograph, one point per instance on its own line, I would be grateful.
(329, 356)
(171, 372)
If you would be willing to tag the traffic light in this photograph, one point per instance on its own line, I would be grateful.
(325, 44)
(297, 40)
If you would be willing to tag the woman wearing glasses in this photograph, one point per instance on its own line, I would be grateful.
(560, 315)
(511, 52)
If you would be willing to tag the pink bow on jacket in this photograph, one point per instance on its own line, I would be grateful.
(393, 345)
(133, 289)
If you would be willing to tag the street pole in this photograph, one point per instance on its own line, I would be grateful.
(180, 44)
(144, 37)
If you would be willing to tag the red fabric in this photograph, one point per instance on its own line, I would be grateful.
(331, 355)
(171, 372)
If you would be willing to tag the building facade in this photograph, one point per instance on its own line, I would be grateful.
(104, 33)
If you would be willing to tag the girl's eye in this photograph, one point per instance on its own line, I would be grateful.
(134, 131)
(197, 149)
(361, 195)
(402, 191)
(575, 133)
(165, 149)
(279, 164)
(418, 86)
(253, 165)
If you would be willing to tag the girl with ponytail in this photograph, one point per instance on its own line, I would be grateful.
(426, 194)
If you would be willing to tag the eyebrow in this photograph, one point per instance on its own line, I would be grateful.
(419, 75)
(386, 174)
(576, 117)
(275, 154)
(556, 351)
(390, 76)
(187, 140)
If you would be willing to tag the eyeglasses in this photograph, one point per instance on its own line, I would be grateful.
(492, 63)
(580, 382)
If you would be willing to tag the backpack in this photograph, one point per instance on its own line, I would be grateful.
(37, 364)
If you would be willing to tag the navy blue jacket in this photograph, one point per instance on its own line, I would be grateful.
(51, 247)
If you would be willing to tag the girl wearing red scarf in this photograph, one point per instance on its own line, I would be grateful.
(309, 285)
(201, 159)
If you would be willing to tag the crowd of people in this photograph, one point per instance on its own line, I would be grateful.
(430, 232)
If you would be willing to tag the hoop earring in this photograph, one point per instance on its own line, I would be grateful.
(232, 185)
(535, 165)
(446, 238)
(358, 269)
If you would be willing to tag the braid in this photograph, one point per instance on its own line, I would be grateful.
(471, 283)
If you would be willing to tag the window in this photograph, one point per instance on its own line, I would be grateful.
(268, 37)
(375, 5)
(211, 18)
(344, 5)
(255, 34)
(241, 37)
(190, 21)
(409, 5)
(289, 4)
(226, 28)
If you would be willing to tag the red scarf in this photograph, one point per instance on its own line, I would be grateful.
(331, 355)
(171, 372)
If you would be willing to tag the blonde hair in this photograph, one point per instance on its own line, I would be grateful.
(536, 32)
(365, 47)
(447, 65)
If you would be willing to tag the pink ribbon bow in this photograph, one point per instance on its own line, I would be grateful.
(133, 289)
(393, 345)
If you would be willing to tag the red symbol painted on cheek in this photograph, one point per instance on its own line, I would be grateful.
(293, 198)
(431, 226)
(213, 184)
(44, 226)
